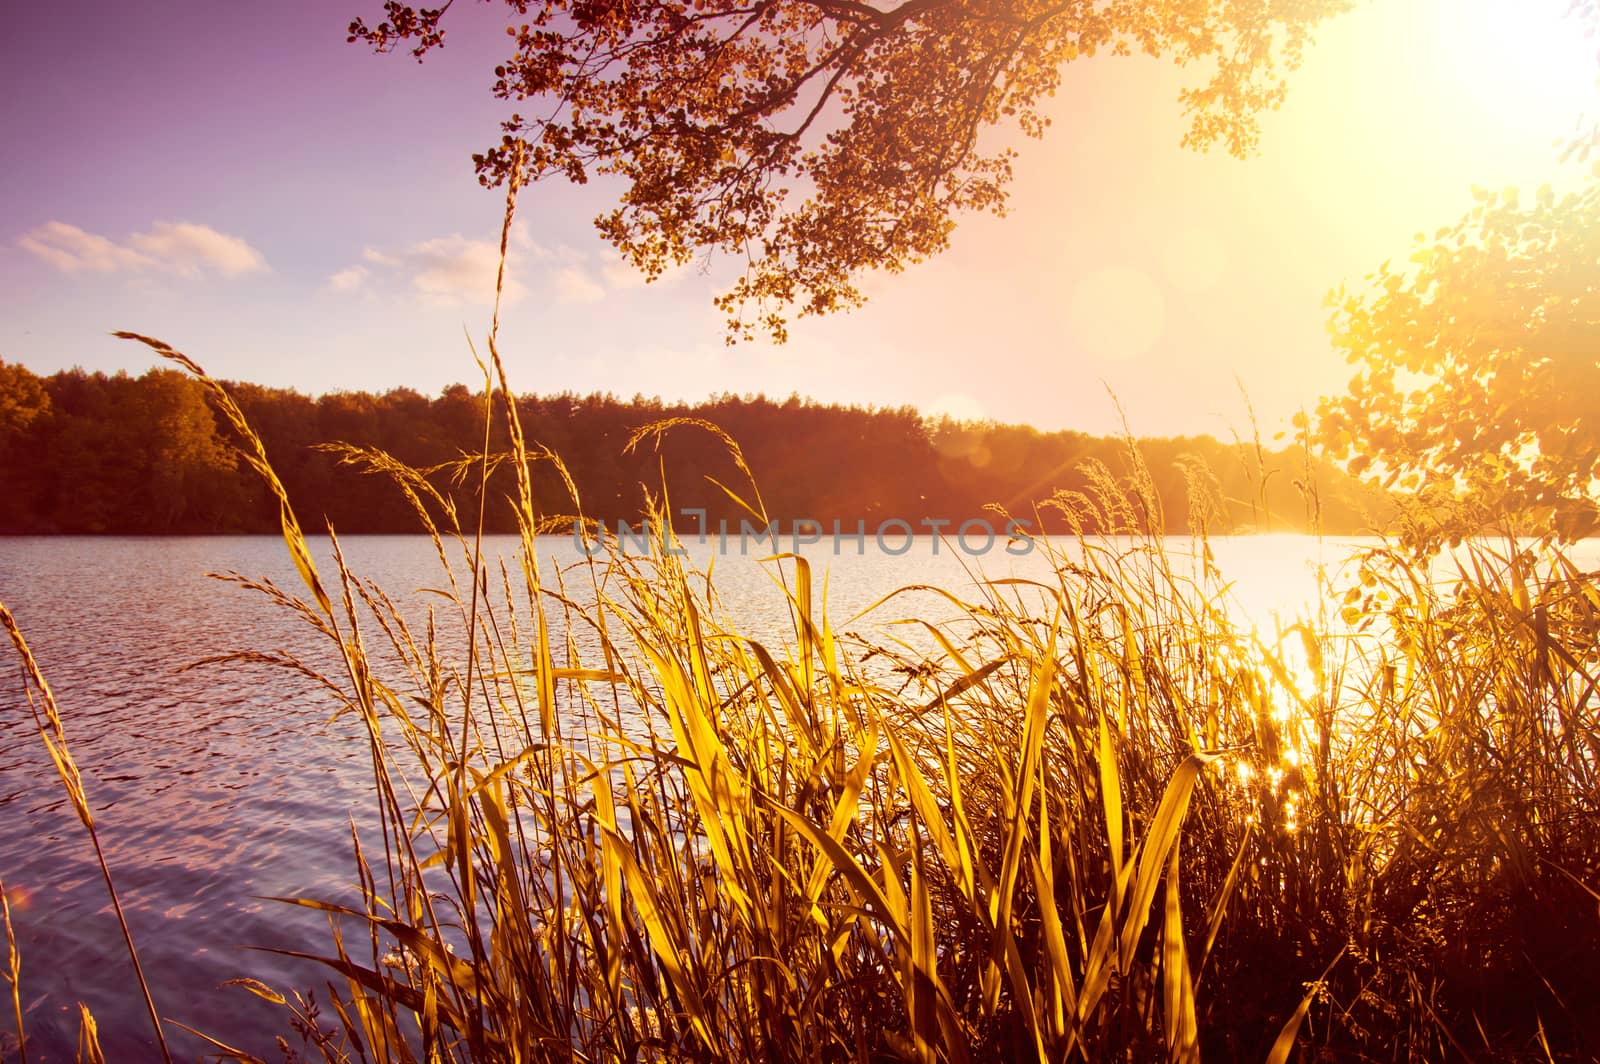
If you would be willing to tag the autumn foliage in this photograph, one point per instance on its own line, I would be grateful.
(1477, 389)
(813, 140)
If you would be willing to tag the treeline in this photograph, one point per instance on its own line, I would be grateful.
(86, 452)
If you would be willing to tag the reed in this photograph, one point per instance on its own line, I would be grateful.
(47, 722)
(1093, 816)
(1089, 817)
(13, 975)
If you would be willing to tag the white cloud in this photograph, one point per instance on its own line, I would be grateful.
(185, 248)
(574, 285)
(446, 271)
(454, 270)
(522, 240)
(192, 249)
(348, 280)
(620, 275)
(70, 249)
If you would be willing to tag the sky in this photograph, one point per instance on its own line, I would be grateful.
(293, 210)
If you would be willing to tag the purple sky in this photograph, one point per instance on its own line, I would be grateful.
(290, 209)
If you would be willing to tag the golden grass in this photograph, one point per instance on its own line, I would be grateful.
(47, 722)
(1088, 817)
(13, 974)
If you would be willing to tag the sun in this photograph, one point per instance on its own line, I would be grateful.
(1518, 63)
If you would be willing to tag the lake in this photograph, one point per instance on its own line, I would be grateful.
(219, 788)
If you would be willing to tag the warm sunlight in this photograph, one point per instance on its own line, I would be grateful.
(1493, 83)
(1117, 313)
(1522, 63)
(905, 531)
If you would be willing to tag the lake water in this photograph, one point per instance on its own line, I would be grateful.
(217, 788)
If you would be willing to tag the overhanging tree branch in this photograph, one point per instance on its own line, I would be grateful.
(821, 138)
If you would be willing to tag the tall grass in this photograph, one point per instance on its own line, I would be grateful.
(1092, 816)
(47, 721)
(1087, 817)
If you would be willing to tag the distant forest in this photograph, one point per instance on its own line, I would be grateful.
(90, 453)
